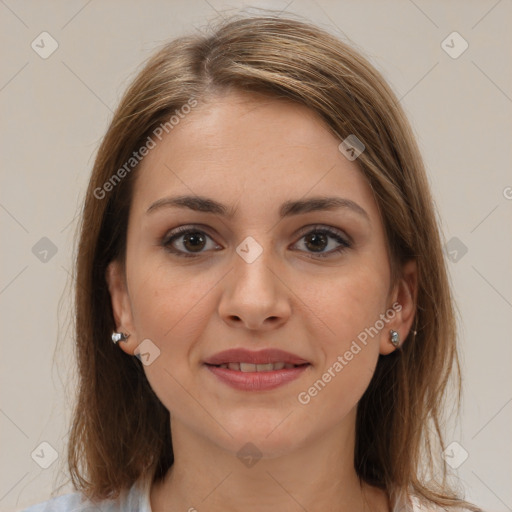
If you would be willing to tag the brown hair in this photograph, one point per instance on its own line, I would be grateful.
(121, 431)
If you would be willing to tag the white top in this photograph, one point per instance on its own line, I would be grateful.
(136, 499)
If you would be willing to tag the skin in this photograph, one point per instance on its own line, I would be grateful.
(253, 153)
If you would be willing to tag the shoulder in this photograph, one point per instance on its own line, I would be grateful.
(134, 499)
(74, 502)
(419, 506)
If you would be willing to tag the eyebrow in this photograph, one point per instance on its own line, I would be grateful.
(287, 209)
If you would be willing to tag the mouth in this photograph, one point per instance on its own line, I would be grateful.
(257, 368)
(263, 370)
(257, 377)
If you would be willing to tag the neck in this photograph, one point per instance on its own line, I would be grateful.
(313, 476)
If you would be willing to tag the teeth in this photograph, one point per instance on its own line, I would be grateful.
(264, 367)
(250, 367)
(247, 367)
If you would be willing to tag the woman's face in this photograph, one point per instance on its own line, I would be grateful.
(263, 267)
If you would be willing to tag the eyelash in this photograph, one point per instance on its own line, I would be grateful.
(183, 230)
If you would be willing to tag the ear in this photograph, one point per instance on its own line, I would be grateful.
(405, 294)
(121, 306)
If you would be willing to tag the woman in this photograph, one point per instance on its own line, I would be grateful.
(263, 315)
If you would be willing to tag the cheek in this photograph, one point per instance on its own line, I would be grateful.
(347, 335)
(350, 304)
(165, 303)
(349, 354)
(171, 310)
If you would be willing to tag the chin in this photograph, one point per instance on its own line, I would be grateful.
(270, 435)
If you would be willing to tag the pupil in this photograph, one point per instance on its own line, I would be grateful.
(316, 237)
(194, 238)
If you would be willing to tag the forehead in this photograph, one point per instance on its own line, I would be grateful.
(245, 145)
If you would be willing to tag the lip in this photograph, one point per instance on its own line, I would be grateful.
(257, 381)
(265, 356)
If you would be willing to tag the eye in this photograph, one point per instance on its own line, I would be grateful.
(187, 241)
(317, 240)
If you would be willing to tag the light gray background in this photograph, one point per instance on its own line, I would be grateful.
(56, 110)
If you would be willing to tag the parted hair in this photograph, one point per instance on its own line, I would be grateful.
(120, 430)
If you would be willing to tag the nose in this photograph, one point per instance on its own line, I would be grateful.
(254, 296)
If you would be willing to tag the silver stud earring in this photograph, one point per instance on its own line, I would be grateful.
(394, 338)
(119, 336)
